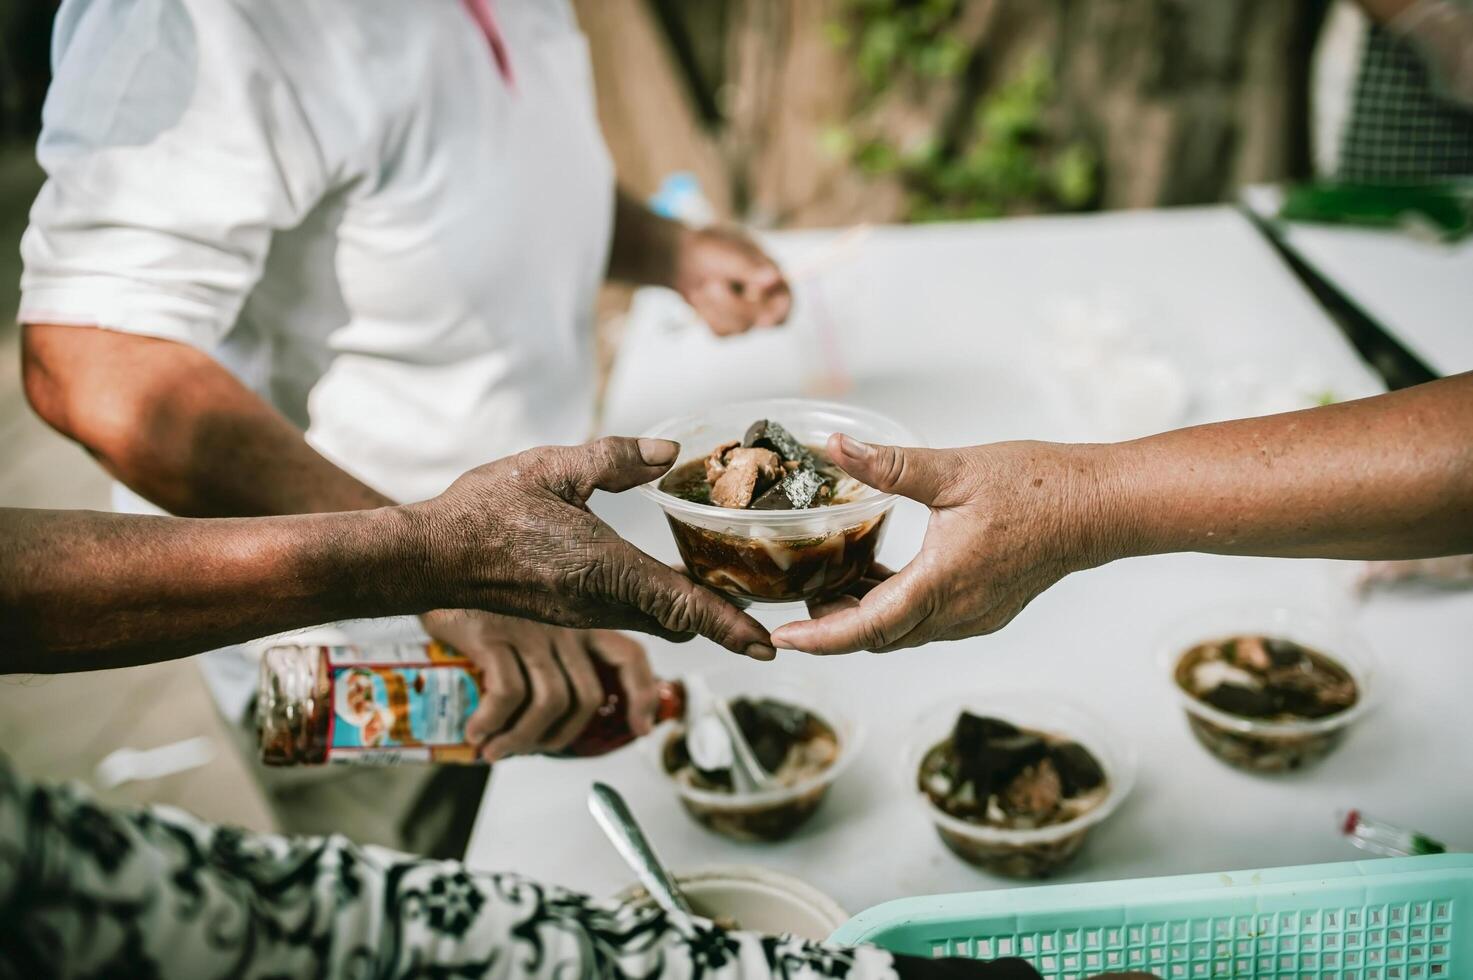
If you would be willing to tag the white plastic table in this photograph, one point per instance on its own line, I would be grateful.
(1420, 291)
(955, 329)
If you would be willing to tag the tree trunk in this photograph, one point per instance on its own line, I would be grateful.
(789, 86)
(1187, 101)
(648, 114)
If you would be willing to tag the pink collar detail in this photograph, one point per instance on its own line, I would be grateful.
(481, 13)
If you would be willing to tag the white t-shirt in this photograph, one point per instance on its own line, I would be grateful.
(347, 204)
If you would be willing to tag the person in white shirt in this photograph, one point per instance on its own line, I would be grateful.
(303, 257)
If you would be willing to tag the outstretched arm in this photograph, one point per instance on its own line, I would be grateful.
(84, 590)
(1383, 477)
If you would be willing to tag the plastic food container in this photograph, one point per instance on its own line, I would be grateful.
(1255, 744)
(777, 555)
(773, 814)
(1034, 853)
(1388, 919)
(755, 899)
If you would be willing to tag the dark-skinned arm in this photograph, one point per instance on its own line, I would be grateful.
(81, 590)
(175, 426)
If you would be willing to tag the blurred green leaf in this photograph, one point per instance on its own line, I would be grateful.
(951, 56)
(1012, 159)
(1074, 175)
(1008, 117)
(921, 155)
(837, 33)
(877, 158)
(934, 14)
(878, 47)
(836, 141)
(942, 58)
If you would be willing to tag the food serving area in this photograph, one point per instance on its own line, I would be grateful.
(1091, 328)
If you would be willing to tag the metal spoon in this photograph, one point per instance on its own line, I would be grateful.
(747, 774)
(612, 814)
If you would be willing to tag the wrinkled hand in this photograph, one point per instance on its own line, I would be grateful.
(539, 685)
(1007, 521)
(516, 537)
(730, 281)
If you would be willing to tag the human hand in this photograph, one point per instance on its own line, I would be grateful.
(730, 281)
(1007, 521)
(516, 537)
(539, 684)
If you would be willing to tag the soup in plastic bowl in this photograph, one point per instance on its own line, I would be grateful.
(1265, 687)
(1032, 821)
(778, 812)
(778, 555)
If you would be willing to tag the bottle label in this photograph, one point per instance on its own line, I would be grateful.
(410, 703)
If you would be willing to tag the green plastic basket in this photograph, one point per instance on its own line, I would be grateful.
(1387, 919)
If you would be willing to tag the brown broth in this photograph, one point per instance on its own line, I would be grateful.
(1315, 665)
(778, 570)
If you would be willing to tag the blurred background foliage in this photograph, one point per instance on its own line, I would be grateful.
(804, 112)
(823, 112)
(1008, 157)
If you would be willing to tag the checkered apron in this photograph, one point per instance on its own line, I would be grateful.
(1400, 131)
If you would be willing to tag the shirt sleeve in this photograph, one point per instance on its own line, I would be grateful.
(174, 148)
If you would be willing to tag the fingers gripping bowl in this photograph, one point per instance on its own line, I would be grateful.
(778, 555)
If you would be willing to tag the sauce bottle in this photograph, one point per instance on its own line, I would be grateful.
(394, 703)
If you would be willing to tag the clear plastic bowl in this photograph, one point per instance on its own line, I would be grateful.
(777, 555)
(1254, 744)
(1021, 853)
(773, 814)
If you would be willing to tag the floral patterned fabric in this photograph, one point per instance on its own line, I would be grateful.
(92, 891)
